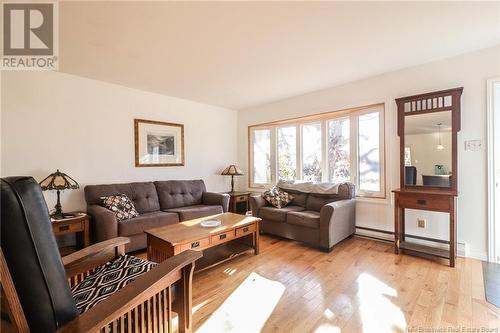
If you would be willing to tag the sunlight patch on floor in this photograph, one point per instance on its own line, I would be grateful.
(327, 328)
(230, 271)
(247, 308)
(378, 313)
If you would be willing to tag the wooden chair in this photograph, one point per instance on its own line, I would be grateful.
(36, 282)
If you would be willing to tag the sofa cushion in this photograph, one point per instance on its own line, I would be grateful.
(307, 218)
(142, 194)
(299, 198)
(196, 211)
(145, 197)
(277, 214)
(108, 279)
(121, 206)
(316, 201)
(179, 193)
(146, 221)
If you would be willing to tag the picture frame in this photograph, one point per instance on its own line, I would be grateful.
(158, 143)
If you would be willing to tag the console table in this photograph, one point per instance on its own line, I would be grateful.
(437, 201)
(427, 127)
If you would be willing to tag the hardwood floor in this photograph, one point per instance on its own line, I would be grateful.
(362, 286)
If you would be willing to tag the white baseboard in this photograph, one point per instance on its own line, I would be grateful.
(462, 248)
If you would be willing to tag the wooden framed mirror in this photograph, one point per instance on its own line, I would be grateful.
(427, 126)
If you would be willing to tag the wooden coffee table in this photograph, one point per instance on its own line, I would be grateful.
(236, 234)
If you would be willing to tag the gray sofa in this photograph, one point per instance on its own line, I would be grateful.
(317, 219)
(159, 203)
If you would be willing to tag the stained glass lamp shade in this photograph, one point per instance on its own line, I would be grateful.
(232, 171)
(58, 181)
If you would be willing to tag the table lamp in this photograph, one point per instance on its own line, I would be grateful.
(58, 181)
(232, 171)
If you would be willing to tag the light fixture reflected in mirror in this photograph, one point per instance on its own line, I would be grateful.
(439, 146)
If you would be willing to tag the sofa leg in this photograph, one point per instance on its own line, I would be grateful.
(327, 249)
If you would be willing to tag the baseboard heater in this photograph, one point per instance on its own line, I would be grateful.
(388, 236)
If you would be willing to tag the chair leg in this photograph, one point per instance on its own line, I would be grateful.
(184, 304)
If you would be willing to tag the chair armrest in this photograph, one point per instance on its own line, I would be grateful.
(212, 198)
(256, 203)
(117, 243)
(337, 222)
(135, 293)
(104, 222)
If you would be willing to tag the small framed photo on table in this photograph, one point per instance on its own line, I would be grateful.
(158, 143)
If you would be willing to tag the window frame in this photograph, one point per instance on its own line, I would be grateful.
(324, 119)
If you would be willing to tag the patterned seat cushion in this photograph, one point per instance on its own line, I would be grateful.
(107, 279)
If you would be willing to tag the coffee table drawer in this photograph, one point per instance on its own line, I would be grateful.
(245, 230)
(221, 238)
(196, 245)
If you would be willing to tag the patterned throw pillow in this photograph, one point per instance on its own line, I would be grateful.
(121, 206)
(107, 279)
(277, 197)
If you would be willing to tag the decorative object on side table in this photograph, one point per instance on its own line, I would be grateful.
(232, 171)
(58, 181)
(76, 222)
(158, 143)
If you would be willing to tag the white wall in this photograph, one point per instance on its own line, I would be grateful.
(470, 71)
(85, 128)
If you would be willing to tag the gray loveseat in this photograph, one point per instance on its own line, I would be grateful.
(159, 203)
(317, 219)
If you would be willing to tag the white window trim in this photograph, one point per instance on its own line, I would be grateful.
(325, 118)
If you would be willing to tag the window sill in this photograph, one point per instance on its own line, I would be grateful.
(374, 200)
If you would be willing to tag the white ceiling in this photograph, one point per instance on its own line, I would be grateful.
(241, 54)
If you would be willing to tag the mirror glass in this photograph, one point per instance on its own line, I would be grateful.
(428, 150)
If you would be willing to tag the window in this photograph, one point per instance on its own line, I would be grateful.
(339, 163)
(287, 152)
(369, 152)
(331, 147)
(311, 152)
(262, 156)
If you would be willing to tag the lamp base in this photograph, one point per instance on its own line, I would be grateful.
(58, 214)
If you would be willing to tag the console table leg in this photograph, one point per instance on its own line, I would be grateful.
(396, 227)
(453, 239)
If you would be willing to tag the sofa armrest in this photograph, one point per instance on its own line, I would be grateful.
(337, 222)
(104, 222)
(256, 203)
(212, 198)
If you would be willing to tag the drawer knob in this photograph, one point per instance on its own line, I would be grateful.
(421, 201)
(245, 229)
(64, 228)
(223, 236)
(195, 244)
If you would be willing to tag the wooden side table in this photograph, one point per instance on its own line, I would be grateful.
(78, 225)
(239, 202)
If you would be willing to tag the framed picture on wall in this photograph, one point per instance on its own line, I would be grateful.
(158, 143)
